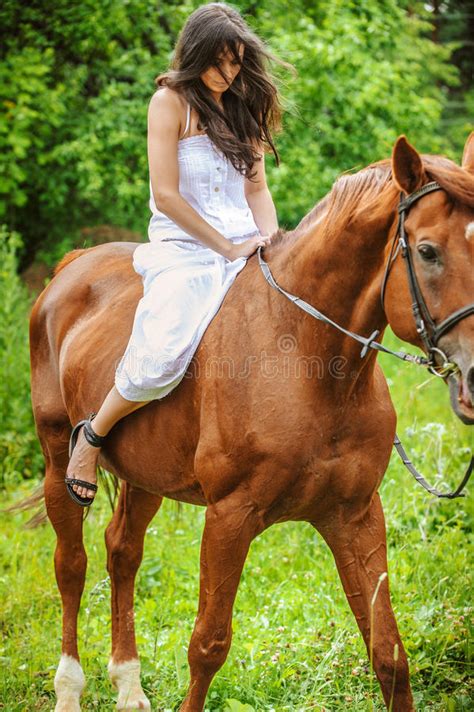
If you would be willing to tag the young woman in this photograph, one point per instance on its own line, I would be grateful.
(209, 123)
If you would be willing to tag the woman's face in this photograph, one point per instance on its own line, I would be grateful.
(229, 67)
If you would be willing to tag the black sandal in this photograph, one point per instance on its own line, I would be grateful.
(93, 439)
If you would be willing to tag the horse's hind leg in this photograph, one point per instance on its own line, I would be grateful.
(359, 548)
(230, 527)
(70, 560)
(124, 540)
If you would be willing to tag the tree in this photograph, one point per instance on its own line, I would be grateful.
(76, 80)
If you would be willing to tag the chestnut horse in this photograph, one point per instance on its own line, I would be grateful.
(269, 440)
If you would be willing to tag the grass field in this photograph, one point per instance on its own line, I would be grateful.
(296, 645)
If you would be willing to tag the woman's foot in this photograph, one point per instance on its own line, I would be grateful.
(83, 465)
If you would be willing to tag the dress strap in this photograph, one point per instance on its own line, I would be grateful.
(188, 115)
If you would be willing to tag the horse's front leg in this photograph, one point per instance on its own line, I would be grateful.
(230, 526)
(359, 546)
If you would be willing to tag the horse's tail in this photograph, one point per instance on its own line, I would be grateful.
(69, 257)
(110, 482)
(33, 500)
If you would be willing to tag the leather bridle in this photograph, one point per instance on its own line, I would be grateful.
(430, 332)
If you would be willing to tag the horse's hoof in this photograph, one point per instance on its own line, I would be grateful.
(69, 682)
(68, 706)
(126, 678)
(139, 704)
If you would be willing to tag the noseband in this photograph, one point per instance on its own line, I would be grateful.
(429, 332)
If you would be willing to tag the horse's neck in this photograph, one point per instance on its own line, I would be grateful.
(341, 277)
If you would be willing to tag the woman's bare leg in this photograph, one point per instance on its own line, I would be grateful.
(83, 462)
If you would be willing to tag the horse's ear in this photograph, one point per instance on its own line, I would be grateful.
(468, 153)
(407, 167)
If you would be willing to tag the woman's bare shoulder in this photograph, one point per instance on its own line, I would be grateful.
(167, 98)
(167, 109)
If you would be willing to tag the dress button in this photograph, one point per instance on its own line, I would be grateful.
(216, 189)
(218, 168)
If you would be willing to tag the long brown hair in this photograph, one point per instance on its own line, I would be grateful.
(252, 110)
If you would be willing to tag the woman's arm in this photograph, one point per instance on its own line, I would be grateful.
(163, 134)
(260, 200)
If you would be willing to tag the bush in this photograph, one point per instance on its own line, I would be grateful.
(77, 79)
(20, 452)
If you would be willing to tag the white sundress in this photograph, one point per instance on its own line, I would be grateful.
(184, 281)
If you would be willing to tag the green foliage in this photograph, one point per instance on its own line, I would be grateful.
(366, 74)
(76, 81)
(24, 79)
(457, 121)
(19, 449)
(74, 138)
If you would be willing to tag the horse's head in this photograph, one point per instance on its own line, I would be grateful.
(440, 234)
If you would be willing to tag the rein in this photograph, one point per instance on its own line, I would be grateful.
(429, 332)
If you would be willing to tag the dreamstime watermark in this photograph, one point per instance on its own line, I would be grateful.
(283, 361)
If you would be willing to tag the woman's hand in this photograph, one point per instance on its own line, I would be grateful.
(247, 248)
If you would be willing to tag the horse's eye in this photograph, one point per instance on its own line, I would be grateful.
(428, 253)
